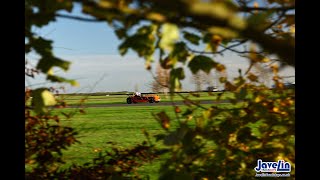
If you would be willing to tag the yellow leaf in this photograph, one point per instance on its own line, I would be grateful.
(170, 34)
(156, 16)
(224, 32)
(275, 68)
(48, 98)
(252, 77)
(258, 99)
(74, 83)
(105, 4)
(214, 9)
(292, 29)
(50, 72)
(164, 119)
(220, 68)
(216, 39)
(166, 125)
(265, 60)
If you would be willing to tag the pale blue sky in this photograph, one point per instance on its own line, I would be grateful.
(92, 48)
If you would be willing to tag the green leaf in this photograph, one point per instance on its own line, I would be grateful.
(45, 64)
(168, 63)
(220, 10)
(175, 76)
(193, 38)
(255, 128)
(179, 52)
(259, 20)
(42, 98)
(207, 114)
(171, 139)
(226, 33)
(187, 112)
(182, 176)
(170, 34)
(54, 78)
(142, 42)
(121, 33)
(178, 73)
(123, 49)
(41, 46)
(242, 94)
(201, 62)
(159, 137)
(207, 38)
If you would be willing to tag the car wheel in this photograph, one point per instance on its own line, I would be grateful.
(151, 100)
(129, 101)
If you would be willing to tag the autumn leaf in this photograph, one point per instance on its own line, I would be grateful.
(252, 77)
(164, 120)
(177, 109)
(170, 34)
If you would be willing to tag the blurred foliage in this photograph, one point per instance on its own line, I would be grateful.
(225, 143)
(46, 138)
(44, 141)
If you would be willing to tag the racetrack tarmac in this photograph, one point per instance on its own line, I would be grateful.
(148, 104)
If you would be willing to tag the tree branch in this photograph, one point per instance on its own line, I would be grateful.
(202, 52)
(249, 9)
(79, 18)
(192, 102)
(239, 52)
(276, 21)
(232, 46)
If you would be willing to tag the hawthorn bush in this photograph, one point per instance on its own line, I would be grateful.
(226, 142)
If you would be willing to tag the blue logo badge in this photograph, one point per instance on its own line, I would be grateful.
(280, 166)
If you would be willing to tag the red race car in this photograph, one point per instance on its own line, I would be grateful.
(137, 98)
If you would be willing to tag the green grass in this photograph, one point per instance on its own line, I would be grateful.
(100, 98)
(122, 125)
(114, 99)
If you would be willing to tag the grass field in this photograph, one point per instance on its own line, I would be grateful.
(122, 125)
(109, 98)
(115, 99)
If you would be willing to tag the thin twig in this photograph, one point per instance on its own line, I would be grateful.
(197, 105)
(250, 9)
(79, 18)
